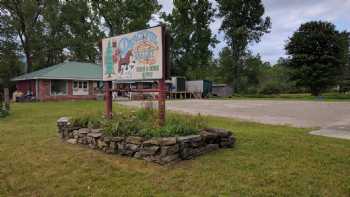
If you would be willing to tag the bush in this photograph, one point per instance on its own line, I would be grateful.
(143, 123)
(3, 113)
(88, 121)
(270, 88)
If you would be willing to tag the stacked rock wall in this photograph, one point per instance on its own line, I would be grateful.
(159, 150)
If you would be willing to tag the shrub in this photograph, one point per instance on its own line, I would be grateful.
(143, 123)
(88, 121)
(270, 88)
(3, 113)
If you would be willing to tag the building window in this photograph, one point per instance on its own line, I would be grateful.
(85, 85)
(80, 88)
(58, 87)
(75, 84)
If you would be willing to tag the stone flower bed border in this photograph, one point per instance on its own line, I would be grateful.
(159, 150)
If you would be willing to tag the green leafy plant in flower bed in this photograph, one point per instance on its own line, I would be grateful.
(143, 123)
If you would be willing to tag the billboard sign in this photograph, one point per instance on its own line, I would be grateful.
(134, 56)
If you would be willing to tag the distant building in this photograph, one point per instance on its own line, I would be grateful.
(201, 87)
(222, 90)
(65, 81)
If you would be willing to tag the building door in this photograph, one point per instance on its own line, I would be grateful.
(80, 88)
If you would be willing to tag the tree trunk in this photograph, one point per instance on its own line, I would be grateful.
(6, 99)
(235, 61)
(27, 52)
(29, 62)
(236, 79)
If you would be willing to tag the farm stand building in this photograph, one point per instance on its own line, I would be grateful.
(65, 81)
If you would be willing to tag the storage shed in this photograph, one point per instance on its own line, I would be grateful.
(203, 87)
(222, 90)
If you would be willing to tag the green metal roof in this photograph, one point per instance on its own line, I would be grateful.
(66, 70)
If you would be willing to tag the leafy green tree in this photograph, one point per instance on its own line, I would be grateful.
(277, 79)
(9, 58)
(243, 23)
(82, 28)
(253, 74)
(225, 65)
(344, 78)
(10, 65)
(120, 16)
(189, 27)
(53, 38)
(24, 16)
(316, 52)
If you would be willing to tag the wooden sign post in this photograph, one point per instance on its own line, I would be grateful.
(108, 99)
(136, 56)
(161, 83)
(161, 102)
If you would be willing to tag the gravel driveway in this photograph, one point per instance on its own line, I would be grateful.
(329, 116)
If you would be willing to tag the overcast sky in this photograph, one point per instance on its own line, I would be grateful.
(287, 16)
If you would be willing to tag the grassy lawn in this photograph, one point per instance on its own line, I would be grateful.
(301, 97)
(267, 161)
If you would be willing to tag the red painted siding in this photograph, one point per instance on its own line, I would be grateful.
(44, 90)
(24, 86)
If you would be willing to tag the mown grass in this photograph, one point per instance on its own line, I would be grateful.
(267, 161)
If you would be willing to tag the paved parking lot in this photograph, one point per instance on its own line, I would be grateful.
(330, 117)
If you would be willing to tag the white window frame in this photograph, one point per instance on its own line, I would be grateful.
(80, 90)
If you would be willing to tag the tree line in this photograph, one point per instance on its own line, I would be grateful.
(42, 33)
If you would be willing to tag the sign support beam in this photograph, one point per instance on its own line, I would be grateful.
(161, 102)
(108, 99)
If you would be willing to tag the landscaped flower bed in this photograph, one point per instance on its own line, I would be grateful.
(135, 135)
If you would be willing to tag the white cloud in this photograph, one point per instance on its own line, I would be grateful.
(167, 5)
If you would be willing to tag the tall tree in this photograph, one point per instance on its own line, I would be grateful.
(53, 38)
(225, 65)
(243, 23)
(316, 51)
(25, 17)
(253, 73)
(120, 16)
(9, 58)
(189, 26)
(344, 79)
(83, 30)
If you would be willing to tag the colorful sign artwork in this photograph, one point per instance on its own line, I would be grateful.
(133, 56)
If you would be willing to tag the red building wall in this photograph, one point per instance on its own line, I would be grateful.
(44, 90)
(25, 86)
